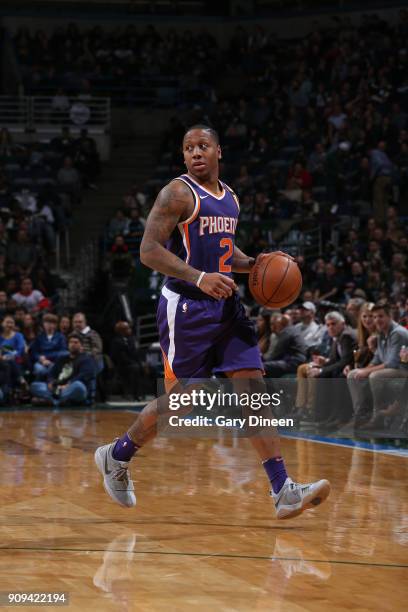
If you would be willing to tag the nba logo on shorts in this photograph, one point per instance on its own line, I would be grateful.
(184, 307)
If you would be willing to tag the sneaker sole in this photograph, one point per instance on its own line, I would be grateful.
(99, 464)
(318, 498)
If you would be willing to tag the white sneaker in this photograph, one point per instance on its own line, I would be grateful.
(115, 476)
(293, 498)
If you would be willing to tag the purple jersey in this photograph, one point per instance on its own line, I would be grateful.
(206, 239)
(200, 335)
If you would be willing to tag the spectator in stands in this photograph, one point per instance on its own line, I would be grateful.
(41, 227)
(87, 161)
(381, 175)
(120, 262)
(353, 308)
(30, 298)
(64, 143)
(19, 312)
(385, 365)
(366, 339)
(28, 327)
(311, 331)
(65, 325)
(328, 286)
(118, 225)
(60, 105)
(299, 178)
(263, 329)
(341, 355)
(273, 337)
(290, 349)
(22, 253)
(136, 225)
(129, 361)
(48, 347)
(27, 200)
(71, 379)
(5, 382)
(13, 351)
(341, 352)
(3, 304)
(70, 180)
(306, 385)
(91, 340)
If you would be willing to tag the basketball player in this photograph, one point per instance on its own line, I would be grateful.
(189, 237)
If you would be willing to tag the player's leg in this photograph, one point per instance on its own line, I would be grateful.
(186, 350)
(290, 498)
(113, 459)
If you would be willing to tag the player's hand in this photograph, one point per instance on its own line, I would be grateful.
(264, 255)
(217, 285)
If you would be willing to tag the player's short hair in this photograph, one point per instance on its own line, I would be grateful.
(207, 128)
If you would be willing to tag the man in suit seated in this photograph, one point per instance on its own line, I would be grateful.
(329, 411)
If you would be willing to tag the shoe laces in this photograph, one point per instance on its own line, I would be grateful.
(303, 488)
(120, 474)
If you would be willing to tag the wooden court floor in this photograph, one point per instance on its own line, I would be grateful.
(203, 536)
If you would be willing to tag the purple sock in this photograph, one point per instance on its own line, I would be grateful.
(276, 472)
(124, 449)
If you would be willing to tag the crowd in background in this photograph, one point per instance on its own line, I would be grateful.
(40, 186)
(362, 345)
(46, 359)
(314, 134)
(322, 141)
(85, 61)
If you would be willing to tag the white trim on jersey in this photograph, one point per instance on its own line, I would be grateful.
(234, 195)
(172, 301)
(196, 197)
(183, 236)
(207, 190)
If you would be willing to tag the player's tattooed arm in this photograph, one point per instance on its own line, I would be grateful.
(174, 204)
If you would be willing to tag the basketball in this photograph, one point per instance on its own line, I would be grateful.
(275, 281)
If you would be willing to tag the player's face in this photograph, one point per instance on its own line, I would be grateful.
(201, 154)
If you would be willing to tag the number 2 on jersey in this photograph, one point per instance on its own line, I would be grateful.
(226, 242)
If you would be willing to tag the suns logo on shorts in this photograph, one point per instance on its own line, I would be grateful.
(184, 307)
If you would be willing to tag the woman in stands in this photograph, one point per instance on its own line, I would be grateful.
(13, 352)
(366, 338)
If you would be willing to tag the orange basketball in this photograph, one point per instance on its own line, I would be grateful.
(275, 281)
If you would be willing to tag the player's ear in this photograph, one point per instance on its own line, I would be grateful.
(219, 152)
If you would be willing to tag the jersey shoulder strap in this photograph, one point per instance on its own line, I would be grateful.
(232, 192)
(197, 201)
